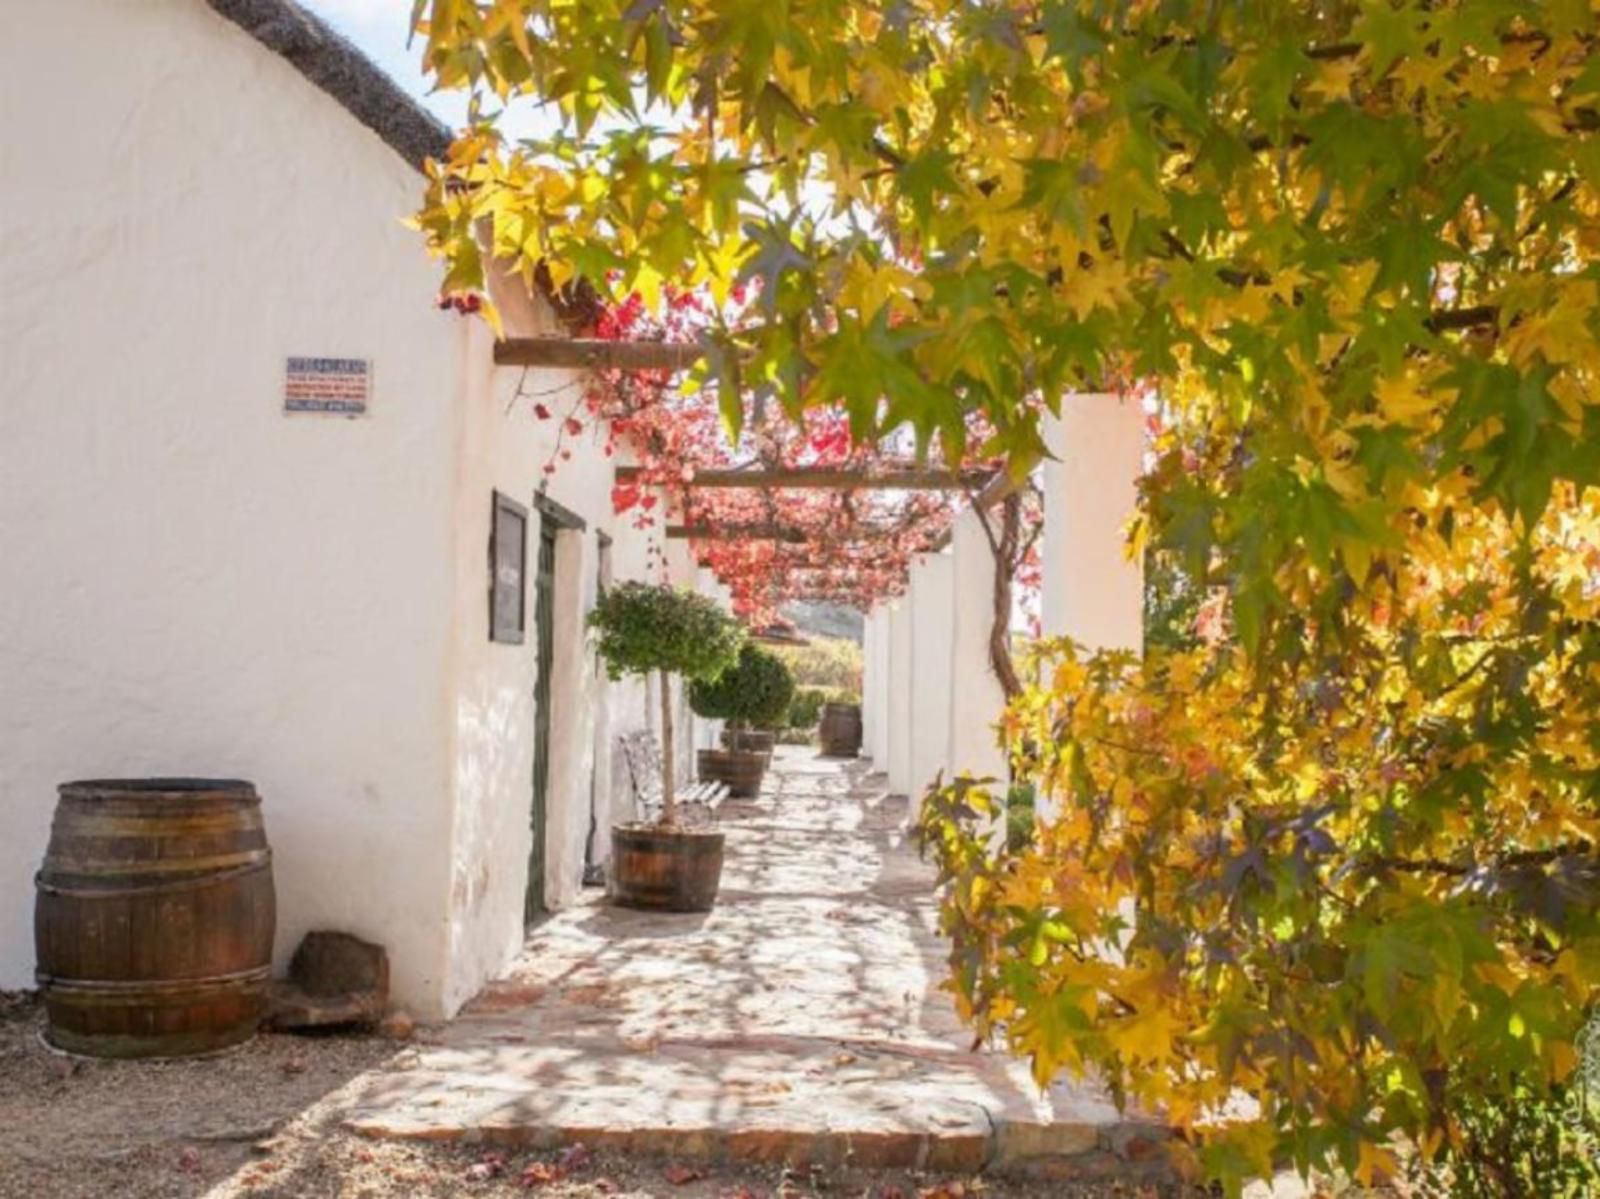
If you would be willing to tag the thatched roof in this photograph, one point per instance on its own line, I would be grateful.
(311, 47)
(308, 44)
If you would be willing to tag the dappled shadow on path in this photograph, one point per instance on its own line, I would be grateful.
(805, 1007)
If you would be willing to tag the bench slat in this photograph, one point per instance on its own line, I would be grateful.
(642, 754)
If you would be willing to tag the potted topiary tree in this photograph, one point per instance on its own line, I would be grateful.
(753, 695)
(643, 629)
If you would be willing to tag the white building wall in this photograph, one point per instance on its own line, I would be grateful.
(195, 583)
(1093, 592)
(976, 698)
(504, 447)
(932, 617)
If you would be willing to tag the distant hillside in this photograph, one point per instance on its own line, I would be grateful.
(826, 620)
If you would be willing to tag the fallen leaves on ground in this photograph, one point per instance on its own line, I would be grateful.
(681, 1175)
(575, 1157)
(489, 1167)
(538, 1174)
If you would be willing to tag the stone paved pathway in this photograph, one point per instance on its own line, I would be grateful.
(800, 1021)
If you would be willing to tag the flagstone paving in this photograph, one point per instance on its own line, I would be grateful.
(801, 1021)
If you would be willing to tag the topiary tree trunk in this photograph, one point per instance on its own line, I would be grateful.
(669, 773)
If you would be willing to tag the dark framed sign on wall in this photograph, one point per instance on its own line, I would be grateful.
(508, 573)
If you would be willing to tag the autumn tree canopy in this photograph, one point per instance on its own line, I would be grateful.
(1343, 845)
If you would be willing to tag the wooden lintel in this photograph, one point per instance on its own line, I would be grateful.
(588, 353)
(823, 478)
(736, 533)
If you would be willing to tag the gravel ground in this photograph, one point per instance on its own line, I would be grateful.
(263, 1122)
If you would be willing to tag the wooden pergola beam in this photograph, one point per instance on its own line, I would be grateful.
(788, 534)
(588, 353)
(785, 533)
(827, 478)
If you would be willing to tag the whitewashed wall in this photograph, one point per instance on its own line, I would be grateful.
(976, 697)
(875, 687)
(195, 583)
(902, 678)
(504, 447)
(1093, 592)
(932, 629)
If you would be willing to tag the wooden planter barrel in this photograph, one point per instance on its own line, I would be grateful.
(740, 769)
(154, 917)
(752, 740)
(665, 870)
(840, 730)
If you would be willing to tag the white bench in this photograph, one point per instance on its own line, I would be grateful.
(697, 802)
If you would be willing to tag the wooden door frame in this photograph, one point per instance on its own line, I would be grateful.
(554, 519)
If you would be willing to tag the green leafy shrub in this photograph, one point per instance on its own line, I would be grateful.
(755, 691)
(830, 663)
(645, 627)
(806, 709)
(1540, 1144)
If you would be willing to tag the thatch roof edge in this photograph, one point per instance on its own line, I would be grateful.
(330, 62)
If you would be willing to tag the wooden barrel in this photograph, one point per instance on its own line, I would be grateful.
(740, 769)
(840, 730)
(154, 917)
(676, 871)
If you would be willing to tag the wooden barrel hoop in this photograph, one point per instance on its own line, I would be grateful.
(742, 770)
(665, 871)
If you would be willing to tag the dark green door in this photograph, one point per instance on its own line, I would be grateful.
(544, 632)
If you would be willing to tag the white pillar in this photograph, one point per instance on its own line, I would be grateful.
(976, 698)
(897, 709)
(1093, 592)
(932, 613)
(873, 691)
(879, 745)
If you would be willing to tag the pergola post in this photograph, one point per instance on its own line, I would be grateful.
(933, 619)
(900, 677)
(1093, 592)
(875, 686)
(976, 698)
